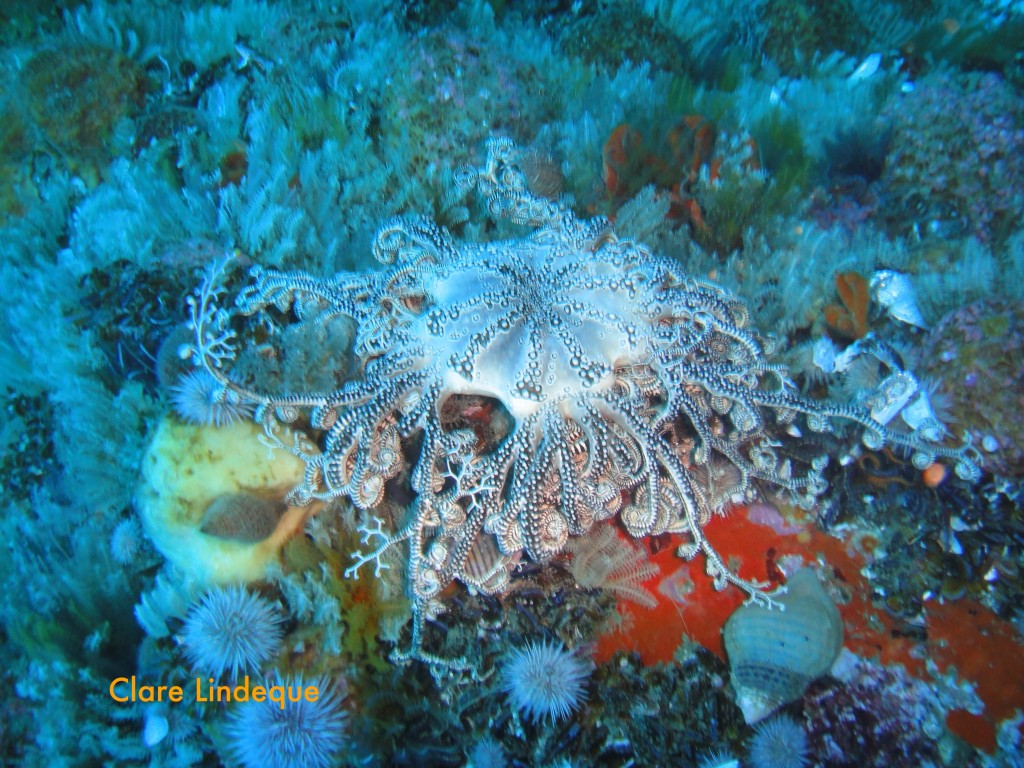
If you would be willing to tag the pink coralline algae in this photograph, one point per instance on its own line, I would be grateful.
(632, 390)
(977, 356)
(958, 141)
(877, 717)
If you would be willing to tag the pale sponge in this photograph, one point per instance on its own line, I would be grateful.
(189, 471)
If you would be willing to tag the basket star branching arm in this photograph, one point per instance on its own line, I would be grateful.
(634, 391)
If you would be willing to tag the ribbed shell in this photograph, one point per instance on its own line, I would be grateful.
(486, 568)
(242, 517)
(773, 654)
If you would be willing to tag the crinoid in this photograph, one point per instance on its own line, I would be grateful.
(626, 380)
(602, 560)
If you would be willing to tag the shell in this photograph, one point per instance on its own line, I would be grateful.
(242, 517)
(895, 292)
(891, 396)
(775, 654)
(486, 569)
(867, 68)
(920, 416)
(155, 729)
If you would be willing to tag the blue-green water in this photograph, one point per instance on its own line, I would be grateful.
(446, 374)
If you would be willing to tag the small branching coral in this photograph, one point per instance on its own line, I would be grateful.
(629, 386)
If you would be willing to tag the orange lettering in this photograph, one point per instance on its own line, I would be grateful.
(113, 695)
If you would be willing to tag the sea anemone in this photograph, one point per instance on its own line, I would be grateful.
(198, 398)
(718, 758)
(811, 360)
(863, 375)
(939, 399)
(544, 680)
(302, 734)
(779, 743)
(487, 752)
(126, 540)
(231, 629)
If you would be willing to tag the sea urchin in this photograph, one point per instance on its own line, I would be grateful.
(779, 743)
(300, 734)
(544, 680)
(198, 398)
(231, 629)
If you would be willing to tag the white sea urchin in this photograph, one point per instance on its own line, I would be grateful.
(301, 734)
(780, 742)
(231, 629)
(544, 680)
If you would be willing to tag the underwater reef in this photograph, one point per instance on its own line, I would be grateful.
(464, 383)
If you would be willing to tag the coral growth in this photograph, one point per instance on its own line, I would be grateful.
(709, 179)
(140, 140)
(74, 99)
(976, 353)
(795, 31)
(879, 717)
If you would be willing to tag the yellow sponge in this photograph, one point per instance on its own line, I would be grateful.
(187, 469)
